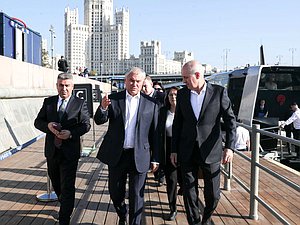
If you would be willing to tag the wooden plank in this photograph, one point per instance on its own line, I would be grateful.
(23, 175)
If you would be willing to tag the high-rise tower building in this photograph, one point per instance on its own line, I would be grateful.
(107, 43)
(77, 41)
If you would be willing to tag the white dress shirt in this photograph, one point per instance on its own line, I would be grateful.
(169, 123)
(132, 105)
(197, 100)
(242, 137)
(295, 119)
(60, 101)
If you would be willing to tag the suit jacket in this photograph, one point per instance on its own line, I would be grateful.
(207, 129)
(112, 145)
(159, 97)
(163, 111)
(76, 119)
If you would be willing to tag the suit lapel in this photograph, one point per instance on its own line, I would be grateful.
(122, 104)
(207, 97)
(189, 105)
(68, 108)
(54, 108)
(141, 106)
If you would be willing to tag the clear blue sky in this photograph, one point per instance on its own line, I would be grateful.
(205, 27)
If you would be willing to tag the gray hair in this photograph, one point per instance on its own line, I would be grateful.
(136, 70)
(65, 76)
(193, 66)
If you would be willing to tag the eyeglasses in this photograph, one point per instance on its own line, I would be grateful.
(158, 89)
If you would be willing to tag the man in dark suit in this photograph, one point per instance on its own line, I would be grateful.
(159, 97)
(197, 139)
(62, 64)
(126, 147)
(64, 118)
(148, 89)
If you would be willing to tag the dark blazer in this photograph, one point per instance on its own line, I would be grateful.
(112, 146)
(162, 133)
(159, 97)
(76, 119)
(207, 129)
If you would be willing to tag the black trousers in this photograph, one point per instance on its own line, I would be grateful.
(171, 177)
(62, 173)
(117, 188)
(296, 133)
(211, 176)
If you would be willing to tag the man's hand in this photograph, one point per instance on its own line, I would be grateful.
(154, 166)
(54, 128)
(281, 124)
(64, 134)
(227, 156)
(105, 102)
(173, 158)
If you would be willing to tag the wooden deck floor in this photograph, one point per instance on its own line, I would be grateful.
(23, 177)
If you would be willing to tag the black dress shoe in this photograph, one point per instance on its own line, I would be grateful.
(172, 216)
(122, 222)
(206, 222)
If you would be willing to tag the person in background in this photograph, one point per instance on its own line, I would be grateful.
(288, 128)
(64, 118)
(197, 140)
(159, 98)
(261, 110)
(295, 119)
(62, 65)
(158, 87)
(270, 83)
(166, 116)
(126, 148)
(148, 89)
(242, 138)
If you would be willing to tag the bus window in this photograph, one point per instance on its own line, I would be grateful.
(235, 92)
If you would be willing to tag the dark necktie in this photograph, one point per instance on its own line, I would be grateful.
(61, 109)
(60, 112)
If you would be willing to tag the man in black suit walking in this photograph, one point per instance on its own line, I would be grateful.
(126, 147)
(64, 118)
(159, 97)
(197, 139)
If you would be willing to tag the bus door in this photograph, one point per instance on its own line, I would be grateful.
(248, 100)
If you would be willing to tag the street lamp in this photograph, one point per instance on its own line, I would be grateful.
(292, 50)
(279, 57)
(52, 35)
(226, 50)
(101, 71)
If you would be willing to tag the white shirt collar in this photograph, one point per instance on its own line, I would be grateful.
(129, 96)
(202, 91)
(60, 98)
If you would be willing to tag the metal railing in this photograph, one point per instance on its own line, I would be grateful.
(255, 166)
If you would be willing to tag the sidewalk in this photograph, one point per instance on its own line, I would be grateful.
(23, 177)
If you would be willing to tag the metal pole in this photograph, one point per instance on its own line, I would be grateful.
(280, 143)
(94, 135)
(255, 140)
(227, 177)
(52, 34)
(50, 196)
(101, 71)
